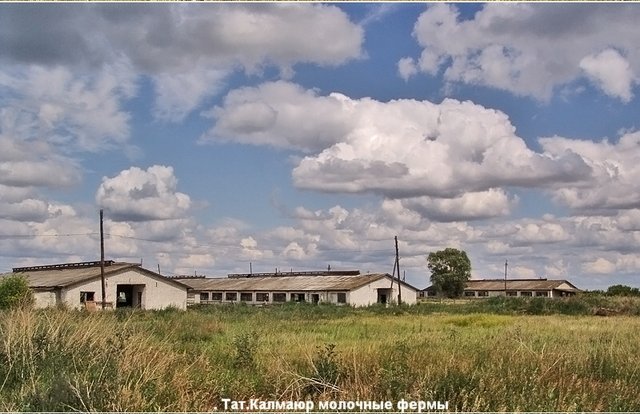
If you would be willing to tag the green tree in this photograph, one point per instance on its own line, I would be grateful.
(450, 270)
(623, 290)
(14, 291)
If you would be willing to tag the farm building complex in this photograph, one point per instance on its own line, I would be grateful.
(79, 285)
(346, 287)
(482, 288)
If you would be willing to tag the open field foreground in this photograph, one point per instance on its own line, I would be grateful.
(172, 360)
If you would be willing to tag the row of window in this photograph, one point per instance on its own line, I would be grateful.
(264, 297)
(509, 293)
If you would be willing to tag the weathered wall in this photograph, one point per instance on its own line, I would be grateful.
(157, 293)
(44, 298)
(368, 294)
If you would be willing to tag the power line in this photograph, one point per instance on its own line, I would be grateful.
(233, 246)
(213, 245)
(31, 236)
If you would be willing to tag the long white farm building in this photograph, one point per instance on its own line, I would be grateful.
(484, 288)
(337, 287)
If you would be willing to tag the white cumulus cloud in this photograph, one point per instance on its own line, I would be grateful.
(615, 172)
(531, 49)
(611, 72)
(139, 195)
(400, 148)
(187, 51)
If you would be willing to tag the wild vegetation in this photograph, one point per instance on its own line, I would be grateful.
(14, 291)
(483, 355)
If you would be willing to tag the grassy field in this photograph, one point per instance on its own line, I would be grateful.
(480, 356)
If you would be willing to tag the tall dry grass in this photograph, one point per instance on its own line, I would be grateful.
(57, 360)
(175, 361)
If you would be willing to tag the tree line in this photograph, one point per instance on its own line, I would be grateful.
(451, 270)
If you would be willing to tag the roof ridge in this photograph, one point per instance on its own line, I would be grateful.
(59, 266)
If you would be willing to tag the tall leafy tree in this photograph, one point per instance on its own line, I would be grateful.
(450, 270)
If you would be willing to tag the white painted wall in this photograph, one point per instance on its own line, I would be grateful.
(368, 294)
(157, 293)
(44, 298)
(363, 296)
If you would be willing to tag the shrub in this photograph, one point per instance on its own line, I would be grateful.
(15, 292)
(245, 346)
(395, 374)
(622, 290)
(326, 371)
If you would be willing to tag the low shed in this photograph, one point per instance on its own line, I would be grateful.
(79, 285)
(482, 288)
(341, 289)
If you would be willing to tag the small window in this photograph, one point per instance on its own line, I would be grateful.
(469, 293)
(262, 297)
(204, 297)
(512, 293)
(231, 296)
(297, 297)
(342, 297)
(526, 294)
(279, 297)
(483, 293)
(543, 294)
(87, 297)
(216, 295)
(246, 297)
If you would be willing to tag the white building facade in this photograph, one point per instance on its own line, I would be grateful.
(321, 287)
(79, 285)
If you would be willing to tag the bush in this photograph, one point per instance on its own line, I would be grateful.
(622, 290)
(15, 292)
(245, 346)
(325, 371)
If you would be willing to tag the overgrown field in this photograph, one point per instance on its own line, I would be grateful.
(498, 358)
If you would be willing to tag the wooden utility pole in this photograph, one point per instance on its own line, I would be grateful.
(102, 261)
(398, 269)
(505, 277)
(393, 275)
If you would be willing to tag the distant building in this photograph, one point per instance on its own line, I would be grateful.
(483, 288)
(341, 288)
(79, 285)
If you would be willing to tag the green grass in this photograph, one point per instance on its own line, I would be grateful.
(490, 355)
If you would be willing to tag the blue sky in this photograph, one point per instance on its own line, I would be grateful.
(297, 136)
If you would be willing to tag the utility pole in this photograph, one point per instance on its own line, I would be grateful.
(393, 275)
(159, 269)
(505, 277)
(398, 269)
(102, 261)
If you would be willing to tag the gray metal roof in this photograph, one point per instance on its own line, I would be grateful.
(58, 276)
(518, 284)
(284, 283)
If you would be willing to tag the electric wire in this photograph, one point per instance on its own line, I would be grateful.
(213, 245)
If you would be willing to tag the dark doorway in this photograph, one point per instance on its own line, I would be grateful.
(315, 298)
(298, 297)
(384, 295)
(139, 304)
(124, 296)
